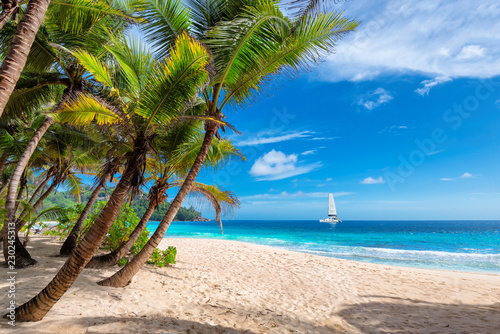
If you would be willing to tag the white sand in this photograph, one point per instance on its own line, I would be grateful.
(232, 287)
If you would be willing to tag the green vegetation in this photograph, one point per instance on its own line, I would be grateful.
(67, 200)
(162, 258)
(80, 95)
(123, 226)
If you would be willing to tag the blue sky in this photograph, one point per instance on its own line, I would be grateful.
(401, 123)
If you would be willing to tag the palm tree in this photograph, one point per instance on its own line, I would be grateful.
(9, 9)
(110, 168)
(35, 89)
(34, 216)
(147, 95)
(174, 155)
(67, 152)
(81, 12)
(23, 258)
(16, 56)
(252, 43)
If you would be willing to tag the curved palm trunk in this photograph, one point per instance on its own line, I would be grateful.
(23, 184)
(44, 196)
(9, 8)
(125, 275)
(4, 186)
(20, 222)
(38, 306)
(40, 187)
(23, 257)
(110, 259)
(10, 203)
(71, 241)
(19, 48)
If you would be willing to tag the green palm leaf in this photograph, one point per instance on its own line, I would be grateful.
(311, 41)
(74, 185)
(75, 16)
(165, 21)
(95, 67)
(85, 110)
(238, 45)
(174, 81)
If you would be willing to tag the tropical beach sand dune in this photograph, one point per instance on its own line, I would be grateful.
(220, 286)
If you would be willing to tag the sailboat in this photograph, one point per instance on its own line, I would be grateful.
(332, 212)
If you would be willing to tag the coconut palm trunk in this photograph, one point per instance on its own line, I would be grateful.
(71, 241)
(8, 9)
(21, 222)
(23, 184)
(38, 306)
(19, 48)
(41, 186)
(10, 202)
(125, 275)
(110, 259)
(21, 253)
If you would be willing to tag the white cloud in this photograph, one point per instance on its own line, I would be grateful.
(394, 129)
(470, 52)
(371, 180)
(276, 165)
(259, 140)
(463, 176)
(375, 99)
(432, 37)
(308, 152)
(428, 84)
(325, 138)
(329, 179)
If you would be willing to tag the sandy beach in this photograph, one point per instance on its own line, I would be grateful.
(220, 286)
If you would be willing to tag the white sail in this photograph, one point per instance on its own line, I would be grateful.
(332, 211)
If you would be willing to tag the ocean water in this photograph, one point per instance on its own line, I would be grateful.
(472, 246)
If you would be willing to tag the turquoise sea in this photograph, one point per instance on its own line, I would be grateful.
(472, 246)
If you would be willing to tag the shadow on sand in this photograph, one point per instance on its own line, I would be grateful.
(403, 315)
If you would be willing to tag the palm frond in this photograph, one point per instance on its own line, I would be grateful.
(207, 13)
(77, 16)
(85, 110)
(165, 21)
(240, 44)
(74, 185)
(34, 91)
(175, 81)
(133, 63)
(222, 201)
(305, 7)
(54, 213)
(313, 38)
(219, 154)
(95, 67)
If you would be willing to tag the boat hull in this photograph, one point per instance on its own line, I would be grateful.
(330, 220)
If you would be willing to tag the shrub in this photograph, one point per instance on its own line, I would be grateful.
(162, 258)
(124, 224)
(65, 225)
